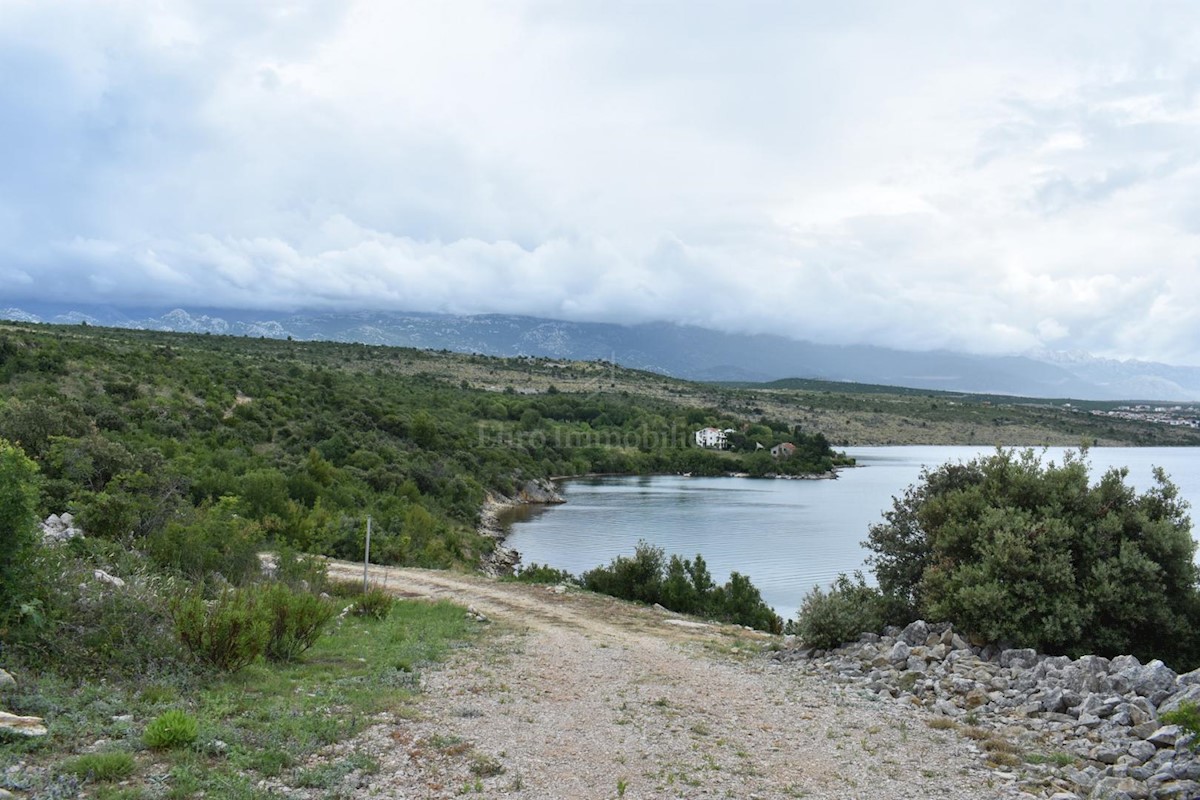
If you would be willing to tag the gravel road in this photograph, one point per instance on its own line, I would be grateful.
(573, 695)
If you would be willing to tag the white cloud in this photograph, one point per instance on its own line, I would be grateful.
(931, 176)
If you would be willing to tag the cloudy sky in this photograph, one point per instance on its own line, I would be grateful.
(989, 177)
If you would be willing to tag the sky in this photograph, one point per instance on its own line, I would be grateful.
(1003, 177)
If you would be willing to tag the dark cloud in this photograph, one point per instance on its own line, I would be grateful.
(934, 176)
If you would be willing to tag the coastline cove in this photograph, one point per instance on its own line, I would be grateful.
(785, 535)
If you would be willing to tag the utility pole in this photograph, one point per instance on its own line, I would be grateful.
(367, 554)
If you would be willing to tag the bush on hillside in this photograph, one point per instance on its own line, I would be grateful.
(18, 527)
(1020, 551)
(227, 633)
(829, 619)
(296, 620)
(684, 586)
(214, 540)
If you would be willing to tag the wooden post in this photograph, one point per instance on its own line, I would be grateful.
(367, 554)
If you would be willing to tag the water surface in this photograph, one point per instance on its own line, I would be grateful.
(787, 535)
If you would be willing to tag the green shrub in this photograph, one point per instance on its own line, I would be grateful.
(227, 633)
(296, 621)
(637, 578)
(1187, 716)
(740, 602)
(375, 603)
(1014, 550)
(542, 573)
(301, 570)
(684, 586)
(78, 625)
(173, 728)
(100, 767)
(826, 620)
(213, 540)
(18, 527)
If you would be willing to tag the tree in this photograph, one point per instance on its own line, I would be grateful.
(1020, 551)
(18, 525)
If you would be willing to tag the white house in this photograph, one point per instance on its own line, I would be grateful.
(712, 437)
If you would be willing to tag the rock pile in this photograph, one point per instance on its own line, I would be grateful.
(1096, 717)
(59, 528)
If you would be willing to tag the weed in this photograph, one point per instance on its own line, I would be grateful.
(374, 603)
(100, 767)
(174, 728)
(995, 745)
(622, 785)
(296, 620)
(1187, 716)
(941, 723)
(228, 634)
(485, 766)
(1058, 759)
(1002, 759)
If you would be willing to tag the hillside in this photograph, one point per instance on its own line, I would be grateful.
(681, 351)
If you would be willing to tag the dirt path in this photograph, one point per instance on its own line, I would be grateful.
(572, 695)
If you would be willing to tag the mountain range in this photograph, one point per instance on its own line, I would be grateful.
(678, 350)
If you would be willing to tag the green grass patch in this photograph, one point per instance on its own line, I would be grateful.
(264, 721)
(174, 728)
(100, 767)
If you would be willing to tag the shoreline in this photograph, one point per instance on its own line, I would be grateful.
(502, 560)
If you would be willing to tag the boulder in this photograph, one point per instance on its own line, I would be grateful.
(111, 580)
(23, 726)
(6, 681)
(915, 633)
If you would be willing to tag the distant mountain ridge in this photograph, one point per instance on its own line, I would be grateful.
(678, 350)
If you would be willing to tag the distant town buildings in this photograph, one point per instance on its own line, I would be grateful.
(1178, 416)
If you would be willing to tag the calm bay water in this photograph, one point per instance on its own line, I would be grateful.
(787, 535)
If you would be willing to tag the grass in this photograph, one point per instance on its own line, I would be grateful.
(264, 721)
(100, 767)
(1058, 759)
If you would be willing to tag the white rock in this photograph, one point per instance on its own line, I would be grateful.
(25, 726)
(111, 580)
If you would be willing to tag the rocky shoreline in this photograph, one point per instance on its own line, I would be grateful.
(503, 560)
(1049, 726)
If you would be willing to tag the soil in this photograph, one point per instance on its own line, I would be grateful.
(574, 695)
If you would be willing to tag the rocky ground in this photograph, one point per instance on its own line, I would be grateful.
(576, 695)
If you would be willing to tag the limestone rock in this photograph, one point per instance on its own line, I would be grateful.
(6, 680)
(111, 580)
(24, 726)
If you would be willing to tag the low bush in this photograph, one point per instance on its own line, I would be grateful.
(684, 586)
(303, 571)
(1013, 549)
(173, 728)
(828, 619)
(375, 603)
(638, 578)
(1187, 716)
(227, 633)
(76, 623)
(213, 540)
(100, 767)
(296, 621)
(542, 573)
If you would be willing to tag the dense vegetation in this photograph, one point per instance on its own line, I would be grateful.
(173, 441)
(1015, 550)
(678, 584)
